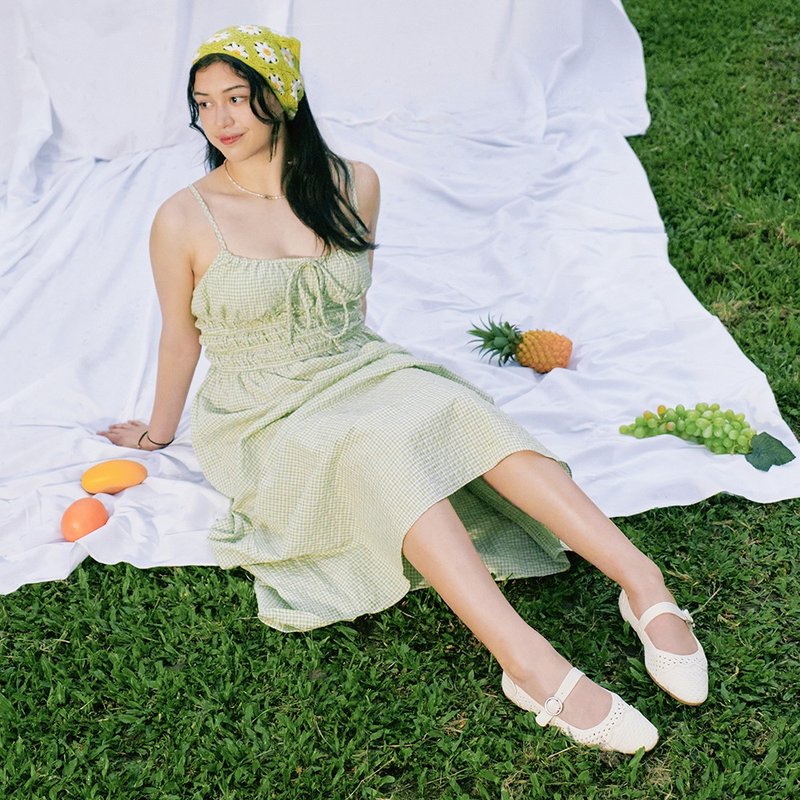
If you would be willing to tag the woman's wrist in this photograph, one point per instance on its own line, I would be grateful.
(146, 442)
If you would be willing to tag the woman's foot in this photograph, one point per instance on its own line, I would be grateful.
(584, 711)
(667, 631)
(587, 705)
(676, 665)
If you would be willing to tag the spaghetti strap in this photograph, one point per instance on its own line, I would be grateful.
(207, 212)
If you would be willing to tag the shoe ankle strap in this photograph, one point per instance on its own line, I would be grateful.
(554, 705)
(664, 608)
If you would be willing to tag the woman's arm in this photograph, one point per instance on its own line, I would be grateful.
(368, 192)
(179, 346)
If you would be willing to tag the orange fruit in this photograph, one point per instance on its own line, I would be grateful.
(82, 517)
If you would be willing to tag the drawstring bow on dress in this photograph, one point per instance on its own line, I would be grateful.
(300, 296)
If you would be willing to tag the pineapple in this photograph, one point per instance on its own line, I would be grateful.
(537, 349)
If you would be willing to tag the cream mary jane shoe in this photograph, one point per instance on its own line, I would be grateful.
(683, 677)
(624, 729)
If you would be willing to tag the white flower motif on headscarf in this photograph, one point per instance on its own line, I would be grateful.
(218, 37)
(287, 54)
(236, 48)
(251, 29)
(297, 85)
(266, 52)
(276, 81)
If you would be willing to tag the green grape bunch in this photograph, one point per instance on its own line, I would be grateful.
(707, 424)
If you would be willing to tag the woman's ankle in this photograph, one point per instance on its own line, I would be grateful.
(533, 662)
(646, 588)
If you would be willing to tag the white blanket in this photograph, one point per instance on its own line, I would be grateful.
(508, 188)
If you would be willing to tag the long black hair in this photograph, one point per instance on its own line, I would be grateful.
(312, 172)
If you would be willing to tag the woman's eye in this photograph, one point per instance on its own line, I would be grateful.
(238, 100)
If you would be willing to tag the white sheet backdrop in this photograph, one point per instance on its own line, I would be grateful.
(508, 187)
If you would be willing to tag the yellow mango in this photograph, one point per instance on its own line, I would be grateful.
(111, 477)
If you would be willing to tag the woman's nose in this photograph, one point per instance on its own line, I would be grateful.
(222, 115)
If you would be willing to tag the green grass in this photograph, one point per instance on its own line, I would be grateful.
(724, 92)
(120, 683)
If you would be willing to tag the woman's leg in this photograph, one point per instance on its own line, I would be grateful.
(540, 487)
(441, 549)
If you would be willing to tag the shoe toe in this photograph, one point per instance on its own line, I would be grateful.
(687, 683)
(684, 677)
(632, 732)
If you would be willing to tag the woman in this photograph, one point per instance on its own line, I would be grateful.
(355, 471)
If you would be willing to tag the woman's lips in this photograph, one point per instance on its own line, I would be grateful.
(227, 140)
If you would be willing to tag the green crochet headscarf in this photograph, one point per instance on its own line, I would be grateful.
(271, 54)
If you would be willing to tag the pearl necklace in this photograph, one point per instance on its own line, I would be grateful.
(255, 194)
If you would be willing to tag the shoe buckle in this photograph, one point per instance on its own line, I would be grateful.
(688, 618)
(553, 706)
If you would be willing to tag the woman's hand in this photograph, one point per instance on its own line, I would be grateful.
(127, 434)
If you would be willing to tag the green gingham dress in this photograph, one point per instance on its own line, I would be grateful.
(331, 442)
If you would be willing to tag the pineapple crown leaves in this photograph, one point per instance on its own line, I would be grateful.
(498, 339)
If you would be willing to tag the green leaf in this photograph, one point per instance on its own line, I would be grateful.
(768, 452)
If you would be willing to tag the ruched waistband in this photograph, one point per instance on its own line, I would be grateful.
(269, 346)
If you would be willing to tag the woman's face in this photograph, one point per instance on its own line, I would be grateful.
(223, 101)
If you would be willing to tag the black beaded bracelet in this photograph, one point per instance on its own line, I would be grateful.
(159, 445)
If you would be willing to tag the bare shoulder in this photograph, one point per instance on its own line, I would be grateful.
(175, 212)
(367, 182)
(178, 223)
(368, 193)
(174, 231)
